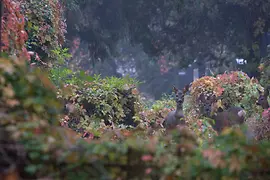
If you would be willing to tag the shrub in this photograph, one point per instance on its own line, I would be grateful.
(235, 88)
(155, 114)
(240, 90)
(29, 112)
(113, 101)
(30, 94)
(33, 29)
(264, 68)
(13, 34)
(28, 106)
(45, 26)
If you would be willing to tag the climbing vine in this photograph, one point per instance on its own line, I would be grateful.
(33, 29)
(45, 25)
(13, 33)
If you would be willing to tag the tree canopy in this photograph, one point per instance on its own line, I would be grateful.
(184, 30)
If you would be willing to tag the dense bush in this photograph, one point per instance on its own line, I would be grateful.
(42, 149)
(45, 26)
(93, 100)
(264, 68)
(25, 94)
(234, 88)
(240, 90)
(28, 106)
(13, 34)
(154, 115)
(33, 29)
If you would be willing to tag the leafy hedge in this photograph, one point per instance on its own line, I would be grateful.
(235, 88)
(27, 95)
(93, 100)
(45, 26)
(33, 145)
(265, 71)
(33, 29)
(153, 116)
(28, 106)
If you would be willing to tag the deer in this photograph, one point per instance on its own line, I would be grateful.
(222, 118)
(176, 117)
(262, 100)
(263, 128)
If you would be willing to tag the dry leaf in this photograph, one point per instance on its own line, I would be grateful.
(134, 91)
(8, 91)
(235, 164)
(215, 157)
(12, 102)
(6, 66)
(46, 82)
(72, 157)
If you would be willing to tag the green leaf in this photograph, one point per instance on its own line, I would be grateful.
(34, 155)
(31, 169)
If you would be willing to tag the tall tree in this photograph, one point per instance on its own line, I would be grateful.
(182, 29)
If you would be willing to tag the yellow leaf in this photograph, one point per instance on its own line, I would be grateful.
(2, 80)
(8, 91)
(72, 157)
(226, 131)
(235, 165)
(219, 104)
(228, 178)
(31, 78)
(6, 66)
(12, 102)
(46, 82)
(239, 132)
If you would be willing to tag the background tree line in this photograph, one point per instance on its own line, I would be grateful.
(217, 31)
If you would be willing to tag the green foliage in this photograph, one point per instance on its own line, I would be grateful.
(45, 27)
(29, 110)
(31, 95)
(28, 105)
(174, 156)
(62, 75)
(231, 89)
(164, 102)
(218, 23)
(58, 75)
(231, 155)
(240, 90)
(154, 116)
(265, 71)
(234, 88)
(95, 100)
(61, 55)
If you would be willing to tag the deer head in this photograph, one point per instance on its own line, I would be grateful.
(179, 97)
(180, 94)
(207, 104)
(222, 118)
(262, 100)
